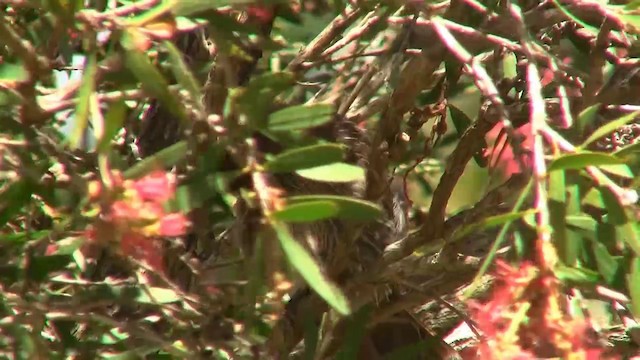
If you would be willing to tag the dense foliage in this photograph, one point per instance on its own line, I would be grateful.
(147, 208)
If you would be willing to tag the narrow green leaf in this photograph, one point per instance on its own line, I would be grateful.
(616, 213)
(633, 282)
(307, 211)
(310, 271)
(591, 29)
(152, 80)
(587, 116)
(337, 172)
(300, 117)
(191, 7)
(348, 208)
(576, 275)
(22, 237)
(491, 222)
(582, 160)
(607, 265)
(85, 92)
(182, 72)
(610, 127)
(40, 267)
(14, 198)
(462, 122)
(10, 74)
(305, 157)
(627, 150)
(113, 120)
(162, 159)
(557, 216)
(621, 170)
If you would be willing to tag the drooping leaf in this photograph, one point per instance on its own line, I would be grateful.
(152, 80)
(310, 271)
(305, 157)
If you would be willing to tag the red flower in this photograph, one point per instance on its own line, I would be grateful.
(143, 249)
(157, 187)
(173, 225)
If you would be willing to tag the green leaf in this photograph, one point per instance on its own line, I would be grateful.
(22, 237)
(609, 127)
(300, 117)
(83, 108)
(182, 72)
(627, 150)
(491, 222)
(616, 213)
(607, 265)
(337, 172)
(582, 160)
(191, 7)
(152, 80)
(12, 73)
(307, 211)
(305, 157)
(160, 160)
(591, 29)
(348, 208)
(113, 120)
(621, 170)
(633, 282)
(576, 275)
(310, 271)
(158, 295)
(462, 122)
(587, 116)
(256, 100)
(14, 198)
(41, 266)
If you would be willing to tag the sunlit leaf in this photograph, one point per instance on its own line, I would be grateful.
(157, 295)
(337, 172)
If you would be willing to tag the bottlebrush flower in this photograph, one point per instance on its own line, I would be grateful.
(523, 319)
(136, 217)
